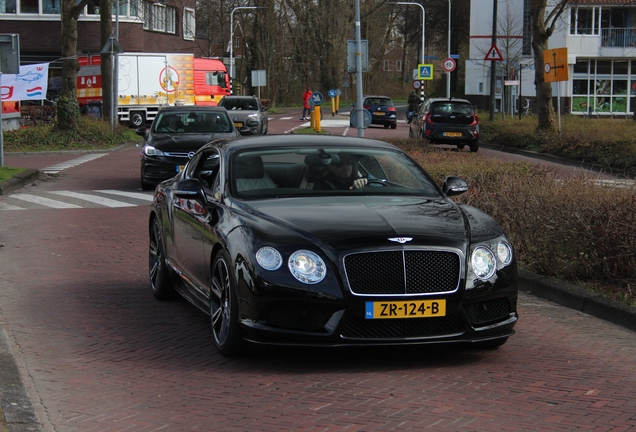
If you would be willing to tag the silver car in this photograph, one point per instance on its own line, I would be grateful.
(247, 113)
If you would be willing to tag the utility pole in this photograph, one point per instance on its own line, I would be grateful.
(493, 64)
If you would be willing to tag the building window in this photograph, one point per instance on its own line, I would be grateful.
(29, 6)
(189, 24)
(398, 65)
(481, 87)
(7, 6)
(388, 65)
(50, 6)
(160, 18)
(601, 86)
(585, 20)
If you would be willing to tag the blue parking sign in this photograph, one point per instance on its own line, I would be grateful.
(316, 98)
(425, 72)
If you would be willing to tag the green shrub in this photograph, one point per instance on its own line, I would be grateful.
(91, 134)
(574, 228)
(605, 142)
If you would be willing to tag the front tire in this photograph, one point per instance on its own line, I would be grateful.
(228, 336)
(160, 279)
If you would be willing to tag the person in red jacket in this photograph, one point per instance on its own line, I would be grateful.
(306, 106)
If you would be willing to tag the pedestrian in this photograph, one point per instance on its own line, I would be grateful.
(414, 101)
(306, 106)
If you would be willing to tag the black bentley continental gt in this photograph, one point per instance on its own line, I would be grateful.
(329, 241)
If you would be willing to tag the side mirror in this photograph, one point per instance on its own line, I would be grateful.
(454, 185)
(189, 189)
(141, 131)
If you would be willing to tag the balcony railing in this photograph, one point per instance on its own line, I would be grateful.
(619, 37)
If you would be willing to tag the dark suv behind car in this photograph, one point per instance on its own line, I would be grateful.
(382, 110)
(447, 121)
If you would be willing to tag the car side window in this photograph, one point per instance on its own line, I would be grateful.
(207, 169)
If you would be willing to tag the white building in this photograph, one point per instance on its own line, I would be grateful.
(600, 36)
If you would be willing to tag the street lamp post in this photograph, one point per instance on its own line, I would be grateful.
(423, 27)
(448, 74)
(232, 42)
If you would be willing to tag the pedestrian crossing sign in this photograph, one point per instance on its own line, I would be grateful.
(425, 72)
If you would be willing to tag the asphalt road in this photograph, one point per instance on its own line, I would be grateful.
(92, 350)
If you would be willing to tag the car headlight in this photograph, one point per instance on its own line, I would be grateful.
(483, 262)
(307, 267)
(252, 120)
(504, 253)
(151, 151)
(269, 258)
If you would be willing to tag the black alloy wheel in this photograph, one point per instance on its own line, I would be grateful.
(160, 279)
(224, 307)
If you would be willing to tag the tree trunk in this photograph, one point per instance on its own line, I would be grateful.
(67, 107)
(540, 36)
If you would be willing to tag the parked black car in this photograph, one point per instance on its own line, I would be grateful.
(175, 135)
(249, 234)
(447, 121)
(382, 109)
(248, 114)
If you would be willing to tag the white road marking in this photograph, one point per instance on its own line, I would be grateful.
(136, 195)
(54, 169)
(47, 202)
(107, 202)
(4, 206)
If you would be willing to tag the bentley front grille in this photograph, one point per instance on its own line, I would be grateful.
(403, 272)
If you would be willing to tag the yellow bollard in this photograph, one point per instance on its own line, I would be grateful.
(333, 107)
(312, 117)
(337, 103)
(317, 119)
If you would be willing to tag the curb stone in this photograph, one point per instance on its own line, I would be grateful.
(16, 409)
(20, 180)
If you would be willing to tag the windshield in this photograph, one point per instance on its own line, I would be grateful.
(269, 173)
(243, 104)
(192, 121)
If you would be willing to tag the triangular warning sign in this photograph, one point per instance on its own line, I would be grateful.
(494, 54)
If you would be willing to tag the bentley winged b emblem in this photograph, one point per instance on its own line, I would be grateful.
(401, 240)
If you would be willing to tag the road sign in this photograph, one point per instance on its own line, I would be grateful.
(449, 65)
(417, 84)
(316, 98)
(511, 82)
(352, 52)
(366, 119)
(454, 56)
(494, 54)
(424, 71)
(331, 93)
(555, 65)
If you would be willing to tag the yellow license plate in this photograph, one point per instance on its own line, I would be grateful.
(453, 134)
(180, 167)
(379, 113)
(405, 309)
(238, 124)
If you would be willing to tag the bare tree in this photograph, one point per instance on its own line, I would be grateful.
(542, 28)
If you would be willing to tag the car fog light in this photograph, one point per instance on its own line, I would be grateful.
(483, 263)
(504, 253)
(307, 267)
(269, 258)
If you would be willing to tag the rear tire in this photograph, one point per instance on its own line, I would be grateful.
(393, 126)
(137, 119)
(160, 278)
(474, 146)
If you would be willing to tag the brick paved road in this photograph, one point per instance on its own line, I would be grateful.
(98, 353)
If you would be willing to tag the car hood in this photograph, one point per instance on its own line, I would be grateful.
(184, 142)
(345, 223)
(242, 115)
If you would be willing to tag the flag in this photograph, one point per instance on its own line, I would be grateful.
(30, 84)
